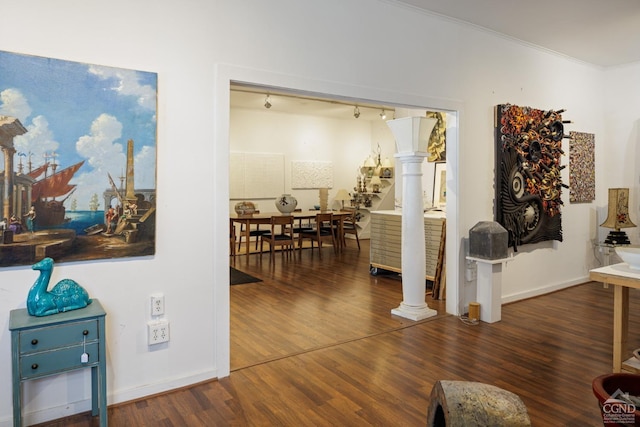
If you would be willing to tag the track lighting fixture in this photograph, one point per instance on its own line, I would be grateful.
(267, 102)
(356, 112)
(383, 115)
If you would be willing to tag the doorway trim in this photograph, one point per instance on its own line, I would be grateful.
(224, 76)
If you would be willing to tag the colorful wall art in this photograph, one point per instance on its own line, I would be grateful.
(582, 167)
(78, 142)
(528, 183)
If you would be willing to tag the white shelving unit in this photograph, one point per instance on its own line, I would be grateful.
(383, 200)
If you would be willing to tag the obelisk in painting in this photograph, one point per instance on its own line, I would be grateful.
(130, 195)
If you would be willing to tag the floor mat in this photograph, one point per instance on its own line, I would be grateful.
(238, 277)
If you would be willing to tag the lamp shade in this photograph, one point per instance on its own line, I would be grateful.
(342, 195)
(369, 163)
(618, 210)
(375, 180)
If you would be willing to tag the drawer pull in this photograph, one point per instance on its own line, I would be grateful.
(34, 366)
(34, 341)
(85, 332)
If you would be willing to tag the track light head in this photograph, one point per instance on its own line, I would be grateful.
(383, 115)
(267, 102)
(356, 112)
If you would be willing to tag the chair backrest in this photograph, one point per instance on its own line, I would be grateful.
(350, 219)
(285, 223)
(324, 220)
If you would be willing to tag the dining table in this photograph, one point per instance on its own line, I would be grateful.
(265, 218)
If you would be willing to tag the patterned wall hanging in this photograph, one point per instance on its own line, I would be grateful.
(582, 169)
(528, 183)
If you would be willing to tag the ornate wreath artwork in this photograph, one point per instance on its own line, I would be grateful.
(528, 182)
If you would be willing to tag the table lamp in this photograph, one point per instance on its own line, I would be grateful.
(386, 168)
(370, 166)
(618, 216)
(375, 183)
(342, 196)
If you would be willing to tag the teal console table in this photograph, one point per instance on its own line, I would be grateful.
(48, 345)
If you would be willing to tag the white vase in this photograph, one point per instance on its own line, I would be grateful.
(286, 203)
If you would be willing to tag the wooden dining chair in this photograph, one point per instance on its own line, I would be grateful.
(280, 234)
(255, 232)
(232, 238)
(323, 230)
(349, 226)
(304, 224)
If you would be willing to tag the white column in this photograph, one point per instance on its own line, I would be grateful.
(10, 127)
(412, 135)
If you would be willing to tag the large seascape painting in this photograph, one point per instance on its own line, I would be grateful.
(79, 161)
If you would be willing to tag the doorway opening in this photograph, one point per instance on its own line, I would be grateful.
(327, 105)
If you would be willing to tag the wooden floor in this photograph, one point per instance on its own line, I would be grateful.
(314, 344)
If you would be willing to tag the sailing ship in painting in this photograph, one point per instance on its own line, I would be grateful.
(48, 187)
(94, 203)
(51, 230)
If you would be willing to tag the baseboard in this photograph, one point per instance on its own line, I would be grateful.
(116, 398)
(123, 396)
(543, 290)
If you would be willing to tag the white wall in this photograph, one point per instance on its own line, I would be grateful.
(168, 38)
(621, 146)
(344, 142)
(363, 49)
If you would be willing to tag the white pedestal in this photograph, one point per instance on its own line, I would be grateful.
(489, 288)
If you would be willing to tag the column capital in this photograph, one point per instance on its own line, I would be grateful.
(10, 127)
(8, 150)
(412, 133)
(411, 157)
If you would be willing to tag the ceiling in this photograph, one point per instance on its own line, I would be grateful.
(283, 101)
(603, 33)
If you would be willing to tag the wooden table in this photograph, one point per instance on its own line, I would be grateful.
(622, 278)
(265, 218)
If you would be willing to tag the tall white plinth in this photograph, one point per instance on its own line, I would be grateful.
(412, 134)
(489, 288)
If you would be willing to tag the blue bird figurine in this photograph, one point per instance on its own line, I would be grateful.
(66, 295)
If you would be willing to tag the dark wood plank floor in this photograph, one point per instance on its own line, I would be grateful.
(314, 344)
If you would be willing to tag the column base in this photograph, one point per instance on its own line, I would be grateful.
(414, 313)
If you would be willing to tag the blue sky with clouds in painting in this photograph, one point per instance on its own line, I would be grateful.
(82, 112)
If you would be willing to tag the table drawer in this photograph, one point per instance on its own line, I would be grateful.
(53, 361)
(61, 335)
